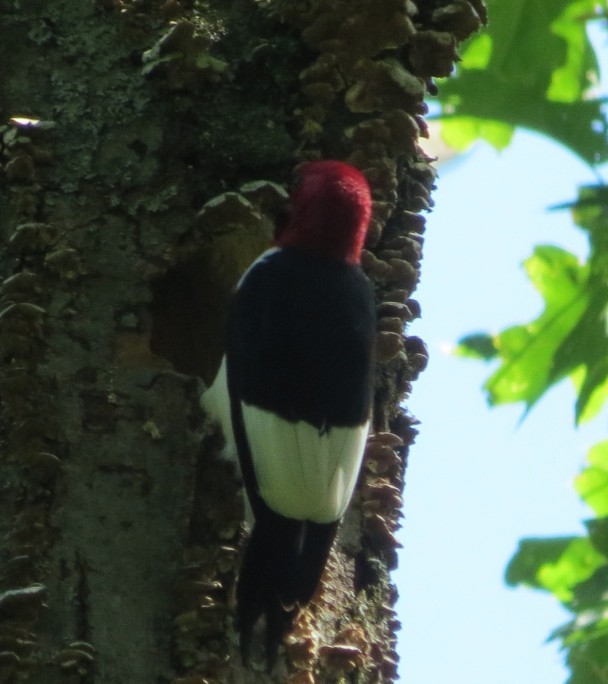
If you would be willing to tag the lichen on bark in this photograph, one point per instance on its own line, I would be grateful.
(140, 141)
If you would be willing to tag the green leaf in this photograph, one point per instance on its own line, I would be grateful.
(588, 661)
(590, 212)
(576, 564)
(570, 81)
(586, 636)
(591, 592)
(477, 346)
(527, 350)
(592, 483)
(588, 624)
(594, 402)
(533, 69)
(570, 337)
(555, 565)
(531, 555)
(461, 132)
(598, 534)
(581, 126)
(593, 387)
(477, 53)
(586, 345)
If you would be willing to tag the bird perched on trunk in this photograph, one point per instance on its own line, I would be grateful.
(294, 392)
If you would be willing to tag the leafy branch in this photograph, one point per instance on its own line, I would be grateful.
(536, 68)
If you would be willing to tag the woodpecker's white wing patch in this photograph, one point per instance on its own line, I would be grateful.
(216, 402)
(302, 473)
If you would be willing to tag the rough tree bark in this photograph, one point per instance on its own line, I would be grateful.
(138, 139)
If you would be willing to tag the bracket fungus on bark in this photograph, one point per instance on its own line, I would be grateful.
(182, 60)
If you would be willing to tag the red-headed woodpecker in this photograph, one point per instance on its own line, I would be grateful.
(295, 391)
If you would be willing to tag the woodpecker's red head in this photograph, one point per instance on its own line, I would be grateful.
(330, 209)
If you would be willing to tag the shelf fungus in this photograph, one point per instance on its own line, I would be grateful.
(377, 29)
(381, 85)
(32, 237)
(20, 169)
(227, 210)
(64, 263)
(381, 538)
(341, 657)
(382, 459)
(302, 678)
(393, 308)
(43, 467)
(417, 355)
(22, 318)
(379, 495)
(396, 131)
(433, 53)
(238, 226)
(181, 59)
(460, 17)
(302, 648)
(21, 286)
(265, 195)
(79, 656)
(388, 345)
(15, 602)
(30, 125)
(392, 324)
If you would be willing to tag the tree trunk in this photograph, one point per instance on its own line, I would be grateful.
(138, 139)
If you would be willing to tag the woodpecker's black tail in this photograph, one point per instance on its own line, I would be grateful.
(283, 563)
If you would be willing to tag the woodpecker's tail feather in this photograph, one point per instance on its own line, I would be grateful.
(281, 569)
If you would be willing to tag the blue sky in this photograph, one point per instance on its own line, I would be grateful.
(478, 481)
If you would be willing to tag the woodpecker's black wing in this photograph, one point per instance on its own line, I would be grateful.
(301, 338)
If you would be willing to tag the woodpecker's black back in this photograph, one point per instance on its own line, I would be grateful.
(301, 339)
(300, 346)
